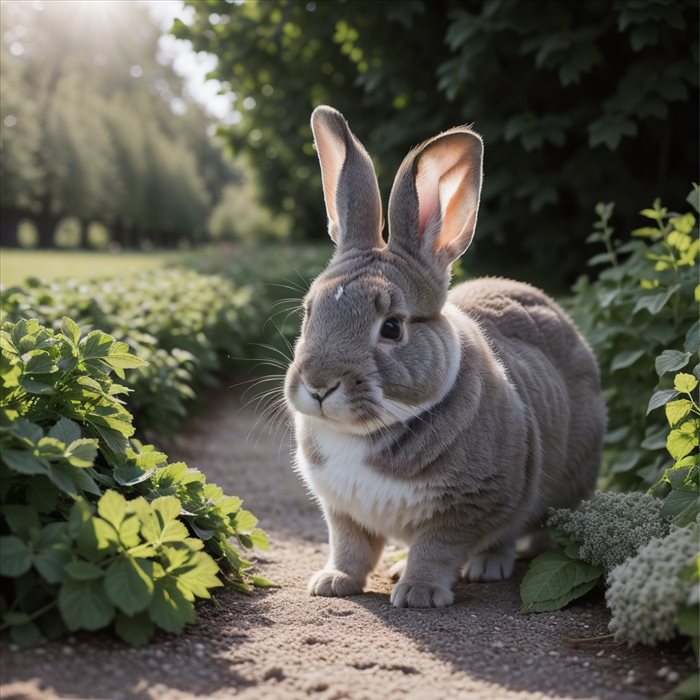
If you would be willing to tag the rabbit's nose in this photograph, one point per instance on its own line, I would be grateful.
(321, 394)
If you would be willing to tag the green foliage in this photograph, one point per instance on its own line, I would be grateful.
(98, 529)
(571, 98)
(680, 484)
(97, 128)
(554, 580)
(179, 322)
(641, 316)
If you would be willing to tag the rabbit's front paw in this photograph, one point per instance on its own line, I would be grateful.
(331, 583)
(419, 594)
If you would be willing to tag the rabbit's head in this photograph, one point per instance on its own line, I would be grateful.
(376, 346)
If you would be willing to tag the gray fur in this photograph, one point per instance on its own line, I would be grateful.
(518, 431)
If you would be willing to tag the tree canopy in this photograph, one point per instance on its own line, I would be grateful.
(96, 127)
(577, 102)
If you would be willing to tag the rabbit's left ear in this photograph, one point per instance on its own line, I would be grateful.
(349, 182)
(435, 198)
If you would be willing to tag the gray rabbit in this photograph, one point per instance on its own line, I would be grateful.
(450, 420)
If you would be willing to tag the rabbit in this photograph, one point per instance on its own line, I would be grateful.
(451, 420)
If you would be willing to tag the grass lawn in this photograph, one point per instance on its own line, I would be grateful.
(16, 265)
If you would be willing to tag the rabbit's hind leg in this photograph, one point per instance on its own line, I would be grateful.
(494, 564)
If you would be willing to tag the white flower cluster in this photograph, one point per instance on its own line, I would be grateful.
(610, 527)
(646, 593)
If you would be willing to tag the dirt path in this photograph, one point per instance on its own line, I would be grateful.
(284, 644)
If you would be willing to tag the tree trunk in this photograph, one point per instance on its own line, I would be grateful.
(46, 227)
(83, 242)
(9, 227)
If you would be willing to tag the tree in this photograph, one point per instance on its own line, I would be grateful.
(93, 131)
(577, 102)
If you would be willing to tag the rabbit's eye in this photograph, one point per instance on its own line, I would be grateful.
(391, 329)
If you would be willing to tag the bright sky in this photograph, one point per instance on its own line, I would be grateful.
(189, 64)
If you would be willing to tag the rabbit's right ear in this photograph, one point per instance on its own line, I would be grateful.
(349, 182)
(435, 197)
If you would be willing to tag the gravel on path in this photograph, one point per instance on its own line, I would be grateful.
(283, 644)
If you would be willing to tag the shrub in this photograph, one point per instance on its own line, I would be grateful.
(183, 324)
(98, 529)
(655, 593)
(641, 316)
(610, 527)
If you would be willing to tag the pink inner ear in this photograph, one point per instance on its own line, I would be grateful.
(428, 188)
(331, 154)
(444, 196)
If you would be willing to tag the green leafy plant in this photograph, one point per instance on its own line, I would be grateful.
(605, 531)
(680, 484)
(644, 301)
(99, 529)
(181, 323)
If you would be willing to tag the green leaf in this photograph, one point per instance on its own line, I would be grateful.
(245, 521)
(65, 431)
(198, 575)
(660, 398)
(129, 584)
(41, 495)
(692, 338)
(112, 508)
(671, 361)
(26, 431)
(161, 524)
(169, 608)
(677, 501)
(26, 635)
(50, 562)
(15, 557)
(260, 539)
(680, 442)
(677, 410)
(82, 453)
(262, 582)
(84, 605)
(685, 383)
(135, 630)
(21, 519)
(23, 462)
(128, 474)
(83, 571)
(39, 362)
(689, 621)
(71, 330)
(625, 359)
(95, 345)
(554, 580)
(95, 538)
(655, 302)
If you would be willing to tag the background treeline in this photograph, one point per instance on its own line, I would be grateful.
(98, 134)
(577, 102)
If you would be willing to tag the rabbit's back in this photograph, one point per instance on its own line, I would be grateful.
(556, 375)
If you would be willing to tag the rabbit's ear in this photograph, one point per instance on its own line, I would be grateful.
(349, 182)
(435, 197)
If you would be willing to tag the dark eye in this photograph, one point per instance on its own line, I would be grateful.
(391, 329)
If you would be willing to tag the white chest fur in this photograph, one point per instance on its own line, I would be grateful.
(344, 483)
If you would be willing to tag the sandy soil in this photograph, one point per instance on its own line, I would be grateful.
(282, 643)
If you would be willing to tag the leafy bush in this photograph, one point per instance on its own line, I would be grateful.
(654, 594)
(98, 529)
(181, 323)
(572, 98)
(641, 315)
